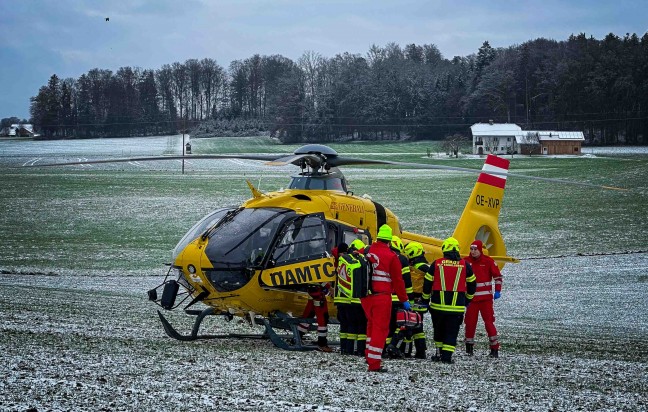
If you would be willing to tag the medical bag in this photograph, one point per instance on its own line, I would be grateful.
(408, 319)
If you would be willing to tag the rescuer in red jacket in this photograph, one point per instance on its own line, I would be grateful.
(386, 279)
(488, 274)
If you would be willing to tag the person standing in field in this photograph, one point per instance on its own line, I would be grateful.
(353, 323)
(488, 276)
(449, 286)
(394, 338)
(386, 279)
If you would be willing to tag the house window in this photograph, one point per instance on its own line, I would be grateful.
(576, 149)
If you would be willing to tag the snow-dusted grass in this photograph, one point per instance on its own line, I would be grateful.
(82, 245)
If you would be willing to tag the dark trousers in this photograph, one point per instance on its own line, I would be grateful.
(446, 328)
(357, 328)
(343, 318)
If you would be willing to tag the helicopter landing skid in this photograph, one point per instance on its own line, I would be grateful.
(291, 342)
(172, 333)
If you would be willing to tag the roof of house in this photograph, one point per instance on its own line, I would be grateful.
(521, 136)
(557, 135)
(26, 126)
(495, 129)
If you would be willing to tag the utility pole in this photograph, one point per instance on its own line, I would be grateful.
(183, 143)
(526, 96)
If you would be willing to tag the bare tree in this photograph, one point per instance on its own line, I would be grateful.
(453, 143)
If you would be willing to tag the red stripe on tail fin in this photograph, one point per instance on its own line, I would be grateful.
(492, 180)
(497, 161)
(494, 171)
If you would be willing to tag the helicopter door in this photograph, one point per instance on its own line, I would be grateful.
(300, 254)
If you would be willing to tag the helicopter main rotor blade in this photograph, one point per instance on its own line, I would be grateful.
(312, 160)
(354, 161)
(157, 158)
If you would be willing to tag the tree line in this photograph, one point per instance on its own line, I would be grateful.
(599, 87)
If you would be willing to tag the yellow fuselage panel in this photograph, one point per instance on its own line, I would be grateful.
(352, 210)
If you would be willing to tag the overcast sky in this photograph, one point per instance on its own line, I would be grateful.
(70, 37)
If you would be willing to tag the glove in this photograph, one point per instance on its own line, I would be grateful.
(406, 305)
(497, 294)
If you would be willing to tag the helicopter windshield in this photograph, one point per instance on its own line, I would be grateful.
(239, 244)
(207, 221)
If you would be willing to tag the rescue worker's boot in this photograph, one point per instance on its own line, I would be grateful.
(322, 345)
(343, 346)
(437, 356)
(421, 347)
(403, 349)
(470, 348)
(361, 347)
(494, 353)
(446, 356)
(348, 346)
(393, 352)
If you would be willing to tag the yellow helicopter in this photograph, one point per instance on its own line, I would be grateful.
(256, 260)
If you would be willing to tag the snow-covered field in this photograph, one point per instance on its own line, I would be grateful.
(78, 333)
(77, 342)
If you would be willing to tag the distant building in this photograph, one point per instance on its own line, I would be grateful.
(508, 138)
(494, 138)
(555, 143)
(18, 130)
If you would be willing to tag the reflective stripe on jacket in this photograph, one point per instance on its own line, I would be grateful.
(452, 284)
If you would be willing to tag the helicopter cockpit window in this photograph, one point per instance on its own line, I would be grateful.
(304, 238)
(204, 223)
(241, 244)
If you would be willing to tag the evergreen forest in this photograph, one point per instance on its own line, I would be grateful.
(596, 86)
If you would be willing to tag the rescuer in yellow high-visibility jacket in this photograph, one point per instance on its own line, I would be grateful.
(449, 286)
(353, 322)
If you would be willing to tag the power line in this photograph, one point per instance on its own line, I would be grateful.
(410, 125)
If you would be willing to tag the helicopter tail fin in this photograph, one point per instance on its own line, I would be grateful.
(480, 217)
